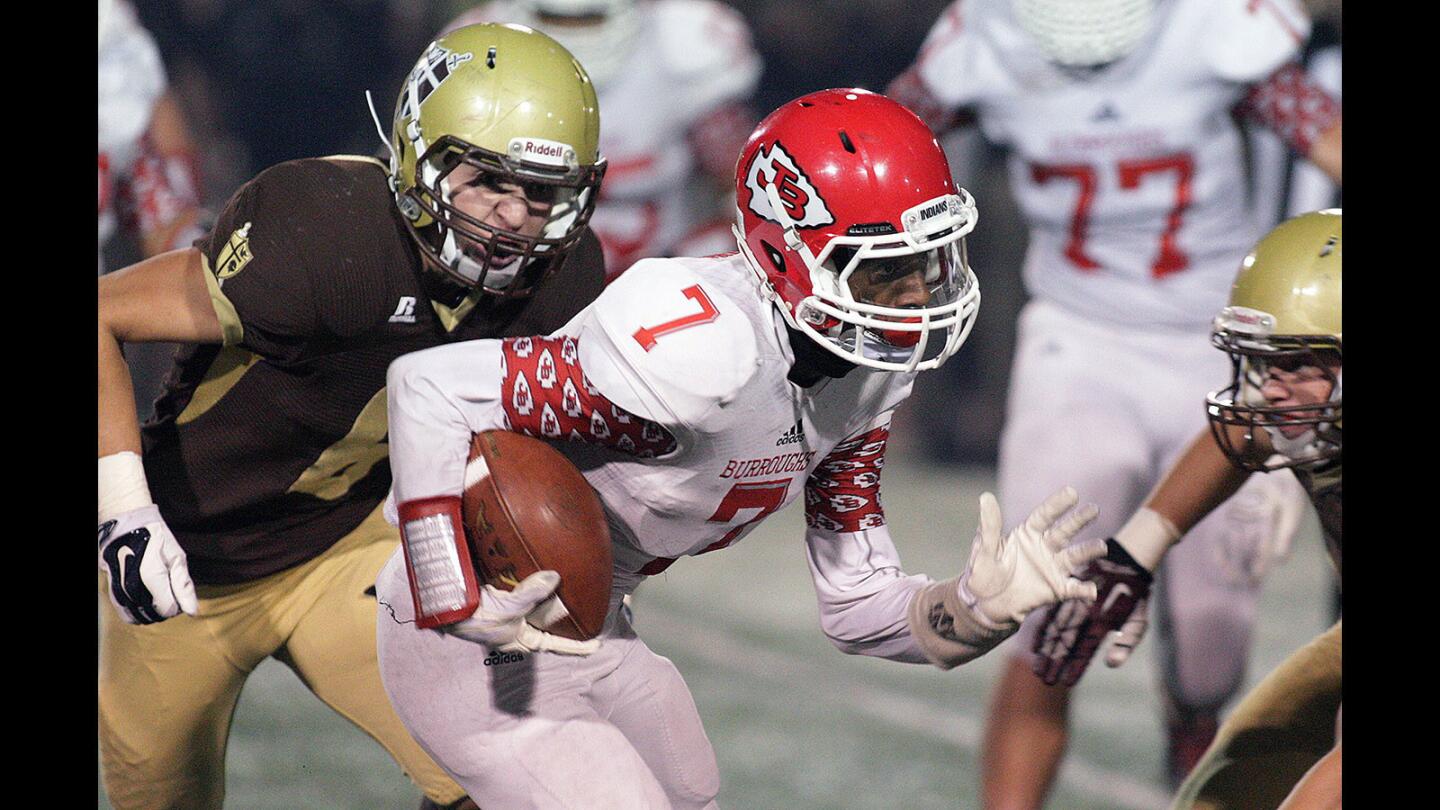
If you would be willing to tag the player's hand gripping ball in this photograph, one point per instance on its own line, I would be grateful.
(527, 509)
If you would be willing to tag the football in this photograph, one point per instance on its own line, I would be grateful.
(527, 508)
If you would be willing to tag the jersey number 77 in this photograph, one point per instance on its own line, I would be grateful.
(1131, 172)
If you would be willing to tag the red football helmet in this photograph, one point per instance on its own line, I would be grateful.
(840, 177)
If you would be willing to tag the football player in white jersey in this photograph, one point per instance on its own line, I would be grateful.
(698, 396)
(148, 177)
(1126, 161)
(673, 77)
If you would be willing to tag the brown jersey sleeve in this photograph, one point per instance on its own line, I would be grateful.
(298, 254)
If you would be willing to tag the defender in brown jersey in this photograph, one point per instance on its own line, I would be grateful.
(251, 501)
(1281, 410)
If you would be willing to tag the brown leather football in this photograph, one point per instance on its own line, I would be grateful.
(534, 511)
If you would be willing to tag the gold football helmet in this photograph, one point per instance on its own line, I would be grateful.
(1283, 315)
(519, 111)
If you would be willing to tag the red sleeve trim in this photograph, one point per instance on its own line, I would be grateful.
(161, 187)
(843, 494)
(546, 394)
(1293, 105)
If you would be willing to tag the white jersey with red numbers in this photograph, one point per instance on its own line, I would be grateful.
(691, 61)
(671, 389)
(132, 79)
(1131, 179)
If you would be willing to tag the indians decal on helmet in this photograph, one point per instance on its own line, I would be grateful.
(803, 205)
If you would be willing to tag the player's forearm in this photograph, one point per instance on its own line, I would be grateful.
(437, 398)
(162, 299)
(1200, 480)
(863, 594)
(1325, 152)
(119, 424)
(909, 89)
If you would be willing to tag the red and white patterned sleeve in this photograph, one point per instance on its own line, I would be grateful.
(545, 393)
(160, 189)
(862, 591)
(1294, 105)
(440, 396)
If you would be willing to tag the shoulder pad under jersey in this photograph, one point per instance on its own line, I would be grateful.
(664, 345)
(1246, 40)
(957, 61)
(706, 46)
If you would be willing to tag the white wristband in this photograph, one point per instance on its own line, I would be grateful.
(122, 484)
(949, 631)
(1147, 535)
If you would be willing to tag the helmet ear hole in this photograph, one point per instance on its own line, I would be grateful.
(777, 259)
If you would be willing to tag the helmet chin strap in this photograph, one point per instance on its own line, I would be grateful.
(379, 130)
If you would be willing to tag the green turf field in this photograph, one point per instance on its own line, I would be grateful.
(796, 724)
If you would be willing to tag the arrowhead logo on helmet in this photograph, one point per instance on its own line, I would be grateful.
(803, 205)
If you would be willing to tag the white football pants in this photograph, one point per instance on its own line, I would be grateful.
(614, 730)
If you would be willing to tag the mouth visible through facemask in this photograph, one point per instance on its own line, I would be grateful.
(472, 261)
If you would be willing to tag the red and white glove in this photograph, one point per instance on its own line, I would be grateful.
(1073, 631)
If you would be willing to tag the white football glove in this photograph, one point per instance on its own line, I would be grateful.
(149, 578)
(510, 621)
(1034, 566)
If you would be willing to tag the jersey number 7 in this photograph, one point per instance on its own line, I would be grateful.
(646, 335)
(765, 496)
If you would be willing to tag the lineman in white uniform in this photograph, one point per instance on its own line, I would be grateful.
(699, 396)
(1127, 164)
(673, 77)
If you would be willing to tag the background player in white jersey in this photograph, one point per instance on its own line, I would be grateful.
(674, 77)
(148, 177)
(697, 395)
(1127, 163)
(148, 173)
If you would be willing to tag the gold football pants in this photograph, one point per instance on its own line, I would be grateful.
(1281, 728)
(168, 690)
